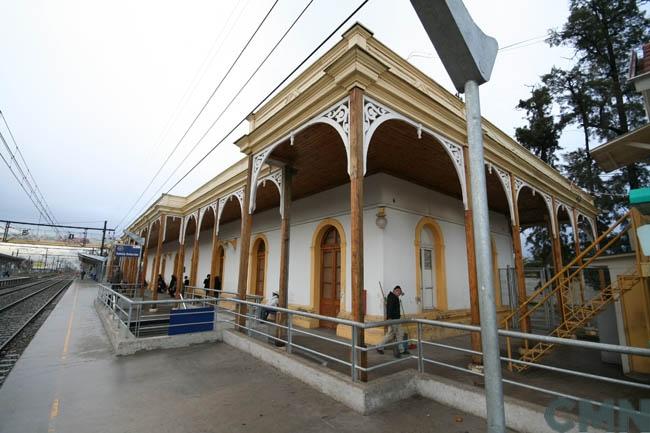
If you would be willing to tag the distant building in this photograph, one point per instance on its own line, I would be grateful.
(10, 264)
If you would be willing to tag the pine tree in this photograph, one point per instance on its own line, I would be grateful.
(542, 133)
(603, 33)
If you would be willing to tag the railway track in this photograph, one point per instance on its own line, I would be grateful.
(19, 310)
(25, 286)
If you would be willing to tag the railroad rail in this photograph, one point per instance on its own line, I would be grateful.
(18, 310)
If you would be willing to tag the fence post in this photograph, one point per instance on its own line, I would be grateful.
(128, 323)
(289, 333)
(353, 353)
(420, 350)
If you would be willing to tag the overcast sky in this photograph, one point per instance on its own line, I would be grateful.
(98, 93)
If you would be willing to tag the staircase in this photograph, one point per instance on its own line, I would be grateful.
(578, 316)
(574, 316)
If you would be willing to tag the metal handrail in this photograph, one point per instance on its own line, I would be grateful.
(224, 315)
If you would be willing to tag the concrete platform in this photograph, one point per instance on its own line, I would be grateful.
(69, 381)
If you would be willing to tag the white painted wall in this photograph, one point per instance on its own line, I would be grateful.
(205, 256)
(389, 254)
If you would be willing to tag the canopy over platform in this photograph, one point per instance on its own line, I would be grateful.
(9, 258)
(624, 150)
(92, 259)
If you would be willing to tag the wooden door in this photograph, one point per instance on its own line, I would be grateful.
(259, 268)
(330, 277)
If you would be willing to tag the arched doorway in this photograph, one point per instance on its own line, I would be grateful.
(258, 262)
(430, 267)
(330, 275)
(427, 269)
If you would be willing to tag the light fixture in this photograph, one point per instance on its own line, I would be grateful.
(381, 220)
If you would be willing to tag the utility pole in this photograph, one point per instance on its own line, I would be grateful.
(101, 250)
(6, 233)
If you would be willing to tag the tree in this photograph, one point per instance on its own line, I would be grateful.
(602, 34)
(542, 133)
(573, 92)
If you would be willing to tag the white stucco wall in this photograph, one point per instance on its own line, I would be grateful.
(389, 254)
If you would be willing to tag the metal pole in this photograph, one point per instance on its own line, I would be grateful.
(481, 220)
(353, 353)
(101, 250)
(289, 333)
(420, 350)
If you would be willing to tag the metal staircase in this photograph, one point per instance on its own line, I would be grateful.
(579, 316)
(574, 315)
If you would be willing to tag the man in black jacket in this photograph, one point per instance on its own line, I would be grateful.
(393, 312)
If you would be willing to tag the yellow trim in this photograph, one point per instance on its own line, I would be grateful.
(315, 262)
(252, 263)
(441, 271)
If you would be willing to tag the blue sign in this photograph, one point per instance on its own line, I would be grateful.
(191, 320)
(127, 250)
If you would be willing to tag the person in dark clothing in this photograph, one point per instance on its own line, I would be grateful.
(172, 286)
(162, 286)
(393, 312)
(206, 284)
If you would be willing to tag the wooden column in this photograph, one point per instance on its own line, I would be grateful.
(145, 263)
(214, 259)
(156, 262)
(519, 259)
(556, 248)
(245, 242)
(356, 215)
(180, 264)
(578, 250)
(475, 317)
(109, 270)
(285, 230)
(195, 258)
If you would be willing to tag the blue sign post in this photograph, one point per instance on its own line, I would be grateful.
(127, 250)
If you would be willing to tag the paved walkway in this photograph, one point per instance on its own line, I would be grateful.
(69, 381)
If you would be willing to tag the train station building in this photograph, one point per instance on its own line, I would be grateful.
(355, 180)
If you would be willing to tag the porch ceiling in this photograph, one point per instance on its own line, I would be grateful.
(320, 163)
(318, 158)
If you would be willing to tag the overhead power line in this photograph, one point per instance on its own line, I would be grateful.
(18, 172)
(214, 122)
(37, 190)
(268, 95)
(205, 104)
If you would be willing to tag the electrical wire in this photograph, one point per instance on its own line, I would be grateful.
(237, 94)
(268, 95)
(242, 87)
(200, 73)
(32, 196)
(196, 117)
(20, 153)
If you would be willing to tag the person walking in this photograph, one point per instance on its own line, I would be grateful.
(394, 331)
(162, 286)
(172, 286)
(206, 284)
